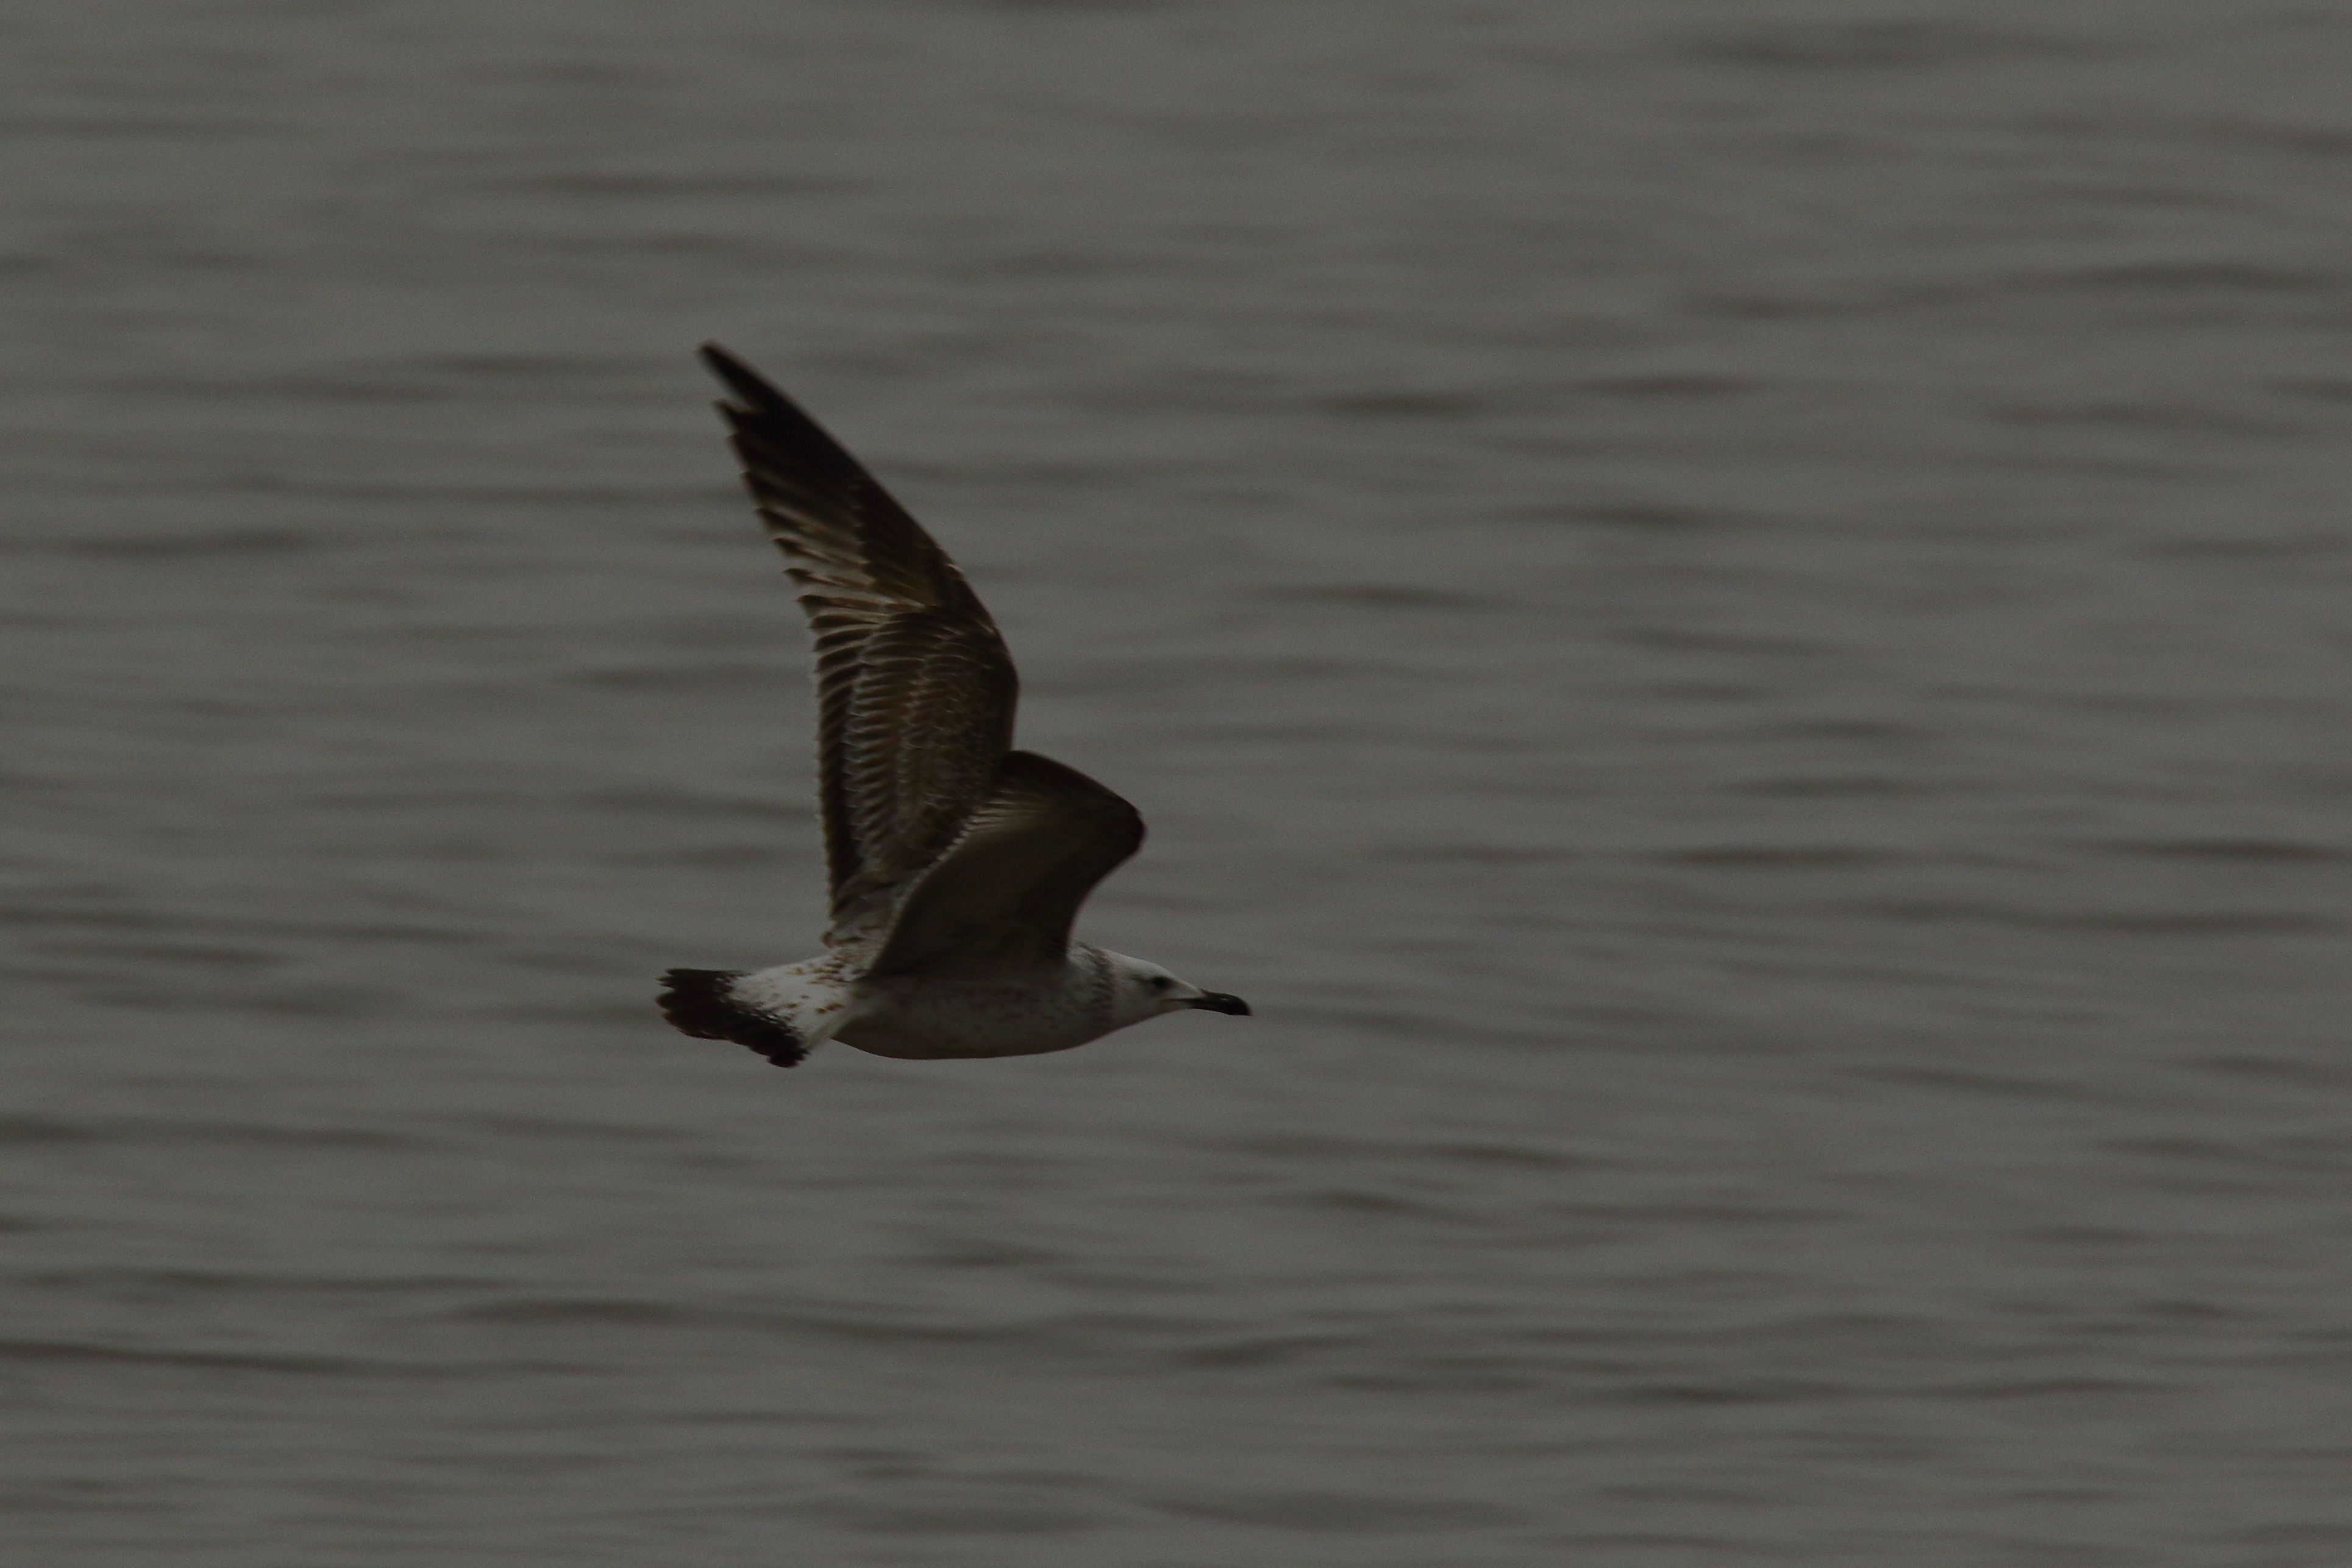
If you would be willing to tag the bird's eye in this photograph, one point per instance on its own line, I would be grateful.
(1159, 982)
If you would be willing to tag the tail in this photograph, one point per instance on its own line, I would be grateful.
(702, 1003)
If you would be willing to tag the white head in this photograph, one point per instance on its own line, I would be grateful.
(1140, 990)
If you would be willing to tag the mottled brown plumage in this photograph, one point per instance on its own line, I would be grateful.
(957, 864)
(1004, 900)
(916, 694)
(914, 689)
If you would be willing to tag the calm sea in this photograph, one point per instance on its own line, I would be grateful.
(1731, 616)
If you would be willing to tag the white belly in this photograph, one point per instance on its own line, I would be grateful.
(936, 1019)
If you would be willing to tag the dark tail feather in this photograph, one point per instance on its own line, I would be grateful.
(701, 1003)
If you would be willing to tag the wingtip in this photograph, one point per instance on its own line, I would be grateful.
(751, 390)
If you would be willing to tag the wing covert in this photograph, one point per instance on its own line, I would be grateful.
(1005, 896)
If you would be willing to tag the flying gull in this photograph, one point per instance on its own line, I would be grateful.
(956, 863)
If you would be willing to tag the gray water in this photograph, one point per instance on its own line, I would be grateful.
(1730, 617)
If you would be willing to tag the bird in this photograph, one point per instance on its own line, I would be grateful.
(956, 864)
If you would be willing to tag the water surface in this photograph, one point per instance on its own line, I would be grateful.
(1729, 617)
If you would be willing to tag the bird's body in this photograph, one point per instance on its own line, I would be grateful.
(831, 997)
(956, 863)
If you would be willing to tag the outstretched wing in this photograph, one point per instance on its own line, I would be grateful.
(914, 689)
(1004, 897)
